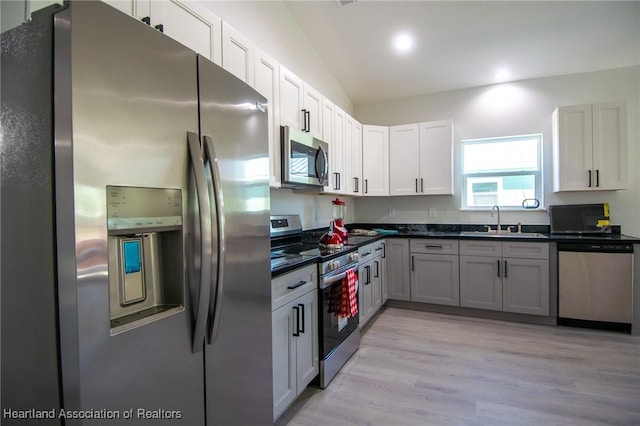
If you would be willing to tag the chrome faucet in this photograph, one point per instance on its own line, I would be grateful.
(496, 208)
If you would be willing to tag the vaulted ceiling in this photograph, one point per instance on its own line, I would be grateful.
(464, 44)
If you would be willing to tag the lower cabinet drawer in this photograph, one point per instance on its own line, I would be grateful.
(432, 246)
(287, 287)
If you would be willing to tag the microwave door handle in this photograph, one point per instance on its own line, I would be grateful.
(204, 217)
(321, 174)
(215, 306)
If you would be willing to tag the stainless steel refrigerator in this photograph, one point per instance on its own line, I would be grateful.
(135, 234)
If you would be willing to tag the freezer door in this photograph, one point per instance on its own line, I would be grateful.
(238, 353)
(125, 98)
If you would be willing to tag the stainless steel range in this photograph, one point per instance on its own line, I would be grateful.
(338, 336)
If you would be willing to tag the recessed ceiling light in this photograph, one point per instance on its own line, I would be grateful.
(403, 42)
(502, 75)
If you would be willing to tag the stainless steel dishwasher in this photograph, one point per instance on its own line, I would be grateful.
(595, 285)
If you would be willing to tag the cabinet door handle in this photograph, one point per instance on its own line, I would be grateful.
(356, 183)
(302, 314)
(377, 273)
(416, 185)
(146, 20)
(160, 28)
(304, 120)
(413, 264)
(597, 178)
(366, 186)
(384, 250)
(498, 262)
(296, 333)
(421, 184)
(589, 178)
(505, 269)
(308, 121)
(335, 185)
(339, 180)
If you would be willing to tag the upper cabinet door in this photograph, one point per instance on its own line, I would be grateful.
(354, 186)
(333, 134)
(267, 80)
(312, 102)
(375, 160)
(610, 152)
(436, 158)
(590, 147)
(237, 54)
(191, 24)
(573, 148)
(291, 98)
(404, 160)
(135, 8)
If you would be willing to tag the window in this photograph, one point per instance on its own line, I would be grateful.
(501, 171)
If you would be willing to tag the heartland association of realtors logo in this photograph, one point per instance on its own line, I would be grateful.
(132, 413)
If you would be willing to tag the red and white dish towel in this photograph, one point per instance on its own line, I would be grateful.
(349, 305)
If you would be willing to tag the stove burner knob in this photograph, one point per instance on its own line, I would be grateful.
(336, 264)
(353, 257)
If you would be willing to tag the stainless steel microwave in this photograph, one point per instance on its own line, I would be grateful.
(305, 159)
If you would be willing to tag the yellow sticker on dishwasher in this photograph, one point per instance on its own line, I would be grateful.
(606, 210)
(602, 223)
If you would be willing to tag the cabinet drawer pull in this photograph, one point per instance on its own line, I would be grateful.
(296, 285)
(433, 246)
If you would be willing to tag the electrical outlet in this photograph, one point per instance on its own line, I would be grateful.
(432, 212)
(392, 212)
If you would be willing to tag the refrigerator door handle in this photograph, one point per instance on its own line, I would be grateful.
(204, 290)
(216, 296)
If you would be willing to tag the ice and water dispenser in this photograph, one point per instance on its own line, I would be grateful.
(146, 280)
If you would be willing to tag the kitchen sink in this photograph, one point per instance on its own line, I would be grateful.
(502, 234)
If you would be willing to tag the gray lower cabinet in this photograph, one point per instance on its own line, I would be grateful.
(525, 286)
(294, 334)
(380, 251)
(369, 281)
(506, 276)
(435, 272)
(398, 268)
(480, 282)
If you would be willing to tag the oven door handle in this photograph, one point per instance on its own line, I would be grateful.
(328, 281)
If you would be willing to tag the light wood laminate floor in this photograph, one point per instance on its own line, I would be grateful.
(421, 368)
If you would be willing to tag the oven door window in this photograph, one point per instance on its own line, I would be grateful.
(334, 329)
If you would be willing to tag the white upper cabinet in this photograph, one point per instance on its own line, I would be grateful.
(312, 101)
(333, 134)
(436, 158)
(590, 147)
(135, 8)
(300, 104)
(354, 181)
(404, 159)
(291, 99)
(238, 54)
(267, 80)
(421, 158)
(191, 24)
(375, 160)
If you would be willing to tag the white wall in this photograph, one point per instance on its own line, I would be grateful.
(316, 211)
(271, 26)
(510, 109)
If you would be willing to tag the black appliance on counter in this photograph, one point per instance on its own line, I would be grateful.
(580, 219)
(338, 337)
